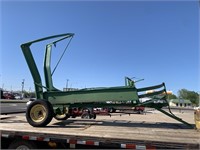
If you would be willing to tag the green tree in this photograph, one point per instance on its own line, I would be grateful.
(29, 94)
(171, 96)
(190, 95)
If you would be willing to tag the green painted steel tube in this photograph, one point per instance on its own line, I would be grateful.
(174, 117)
(66, 35)
(47, 69)
(151, 87)
(33, 67)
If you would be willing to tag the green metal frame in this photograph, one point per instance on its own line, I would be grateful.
(47, 70)
(89, 97)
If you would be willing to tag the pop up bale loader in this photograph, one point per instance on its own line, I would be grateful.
(51, 102)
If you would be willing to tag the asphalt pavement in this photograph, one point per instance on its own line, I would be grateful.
(12, 107)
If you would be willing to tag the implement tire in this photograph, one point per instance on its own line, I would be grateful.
(39, 113)
(86, 115)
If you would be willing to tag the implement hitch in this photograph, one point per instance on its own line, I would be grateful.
(51, 102)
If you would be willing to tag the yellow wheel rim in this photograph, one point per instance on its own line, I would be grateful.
(38, 113)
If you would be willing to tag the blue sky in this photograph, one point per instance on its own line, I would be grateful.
(154, 40)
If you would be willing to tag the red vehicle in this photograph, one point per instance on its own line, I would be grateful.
(101, 111)
(8, 96)
(75, 112)
(139, 109)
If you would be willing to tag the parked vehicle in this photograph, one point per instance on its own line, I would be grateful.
(8, 96)
(18, 96)
(1, 93)
(139, 109)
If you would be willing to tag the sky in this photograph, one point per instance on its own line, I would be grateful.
(157, 41)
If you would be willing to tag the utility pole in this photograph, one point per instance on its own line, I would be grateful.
(67, 84)
(23, 80)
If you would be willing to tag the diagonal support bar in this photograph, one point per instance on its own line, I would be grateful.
(174, 117)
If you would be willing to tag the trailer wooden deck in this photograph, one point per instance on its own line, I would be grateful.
(151, 129)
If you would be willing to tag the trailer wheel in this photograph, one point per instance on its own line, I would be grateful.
(86, 115)
(140, 111)
(39, 113)
(61, 117)
(22, 144)
(111, 110)
(93, 115)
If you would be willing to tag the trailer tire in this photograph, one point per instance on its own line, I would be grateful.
(39, 113)
(93, 115)
(112, 110)
(22, 144)
(86, 115)
(140, 111)
(61, 117)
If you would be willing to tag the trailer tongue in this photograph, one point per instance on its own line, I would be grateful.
(52, 102)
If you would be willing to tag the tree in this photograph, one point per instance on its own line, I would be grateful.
(29, 94)
(190, 95)
(171, 96)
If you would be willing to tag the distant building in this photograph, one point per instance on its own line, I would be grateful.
(180, 103)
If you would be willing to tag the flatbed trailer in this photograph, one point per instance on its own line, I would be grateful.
(135, 132)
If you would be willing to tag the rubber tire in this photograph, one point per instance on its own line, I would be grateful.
(112, 110)
(58, 117)
(49, 111)
(140, 111)
(93, 116)
(22, 144)
(86, 115)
